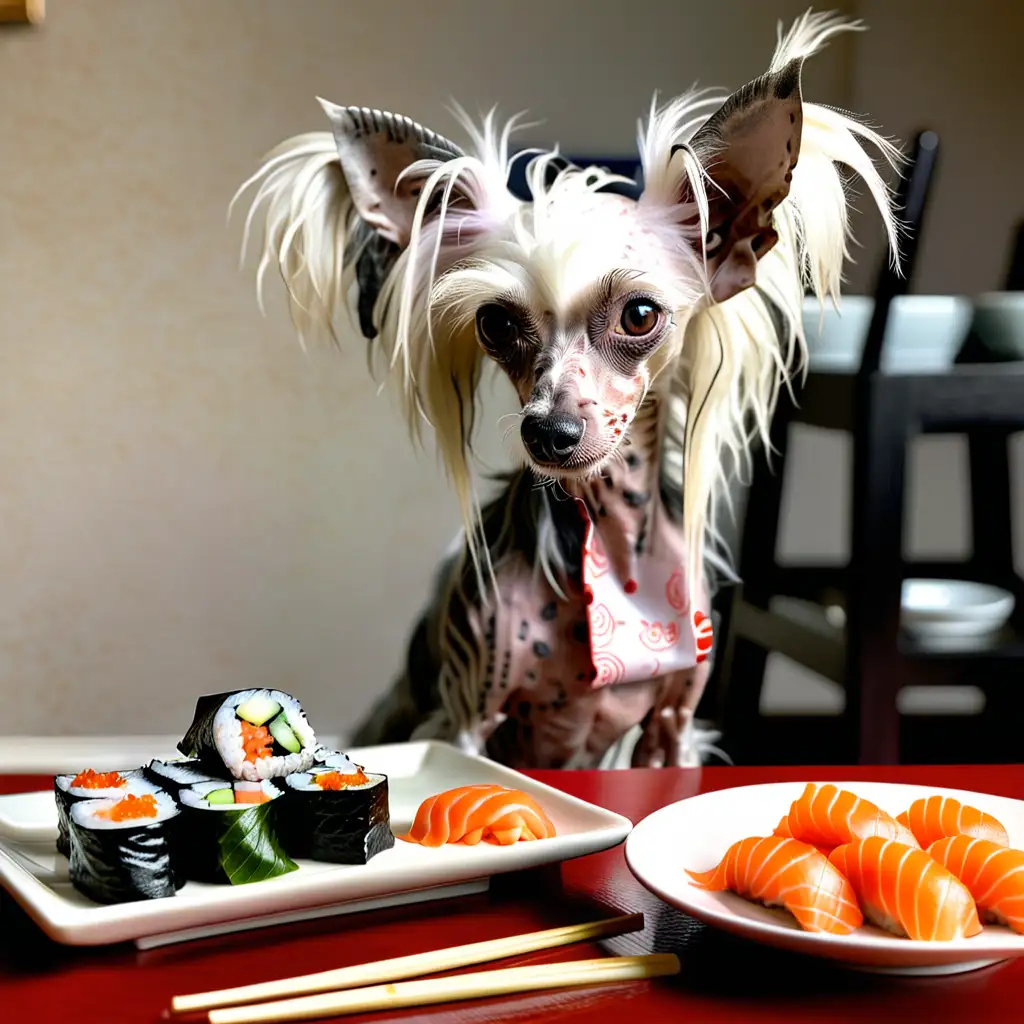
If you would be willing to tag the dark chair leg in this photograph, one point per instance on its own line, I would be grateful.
(741, 706)
(875, 673)
(991, 502)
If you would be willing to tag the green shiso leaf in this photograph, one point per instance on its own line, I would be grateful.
(249, 849)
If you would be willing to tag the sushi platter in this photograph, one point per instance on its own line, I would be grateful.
(257, 824)
(882, 877)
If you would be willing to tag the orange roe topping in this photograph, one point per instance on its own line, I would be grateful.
(336, 780)
(97, 780)
(130, 807)
(256, 741)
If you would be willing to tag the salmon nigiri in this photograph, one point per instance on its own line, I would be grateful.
(905, 891)
(993, 874)
(935, 817)
(783, 829)
(782, 872)
(469, 814)
(827, 817)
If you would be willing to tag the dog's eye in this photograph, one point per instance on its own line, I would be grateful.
(496, 326)
(639, 317)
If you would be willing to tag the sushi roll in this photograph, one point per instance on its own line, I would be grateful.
(122, 848)
(231, 835)
(92, 785)
(336, 812)
(250, 735)
(176, 775)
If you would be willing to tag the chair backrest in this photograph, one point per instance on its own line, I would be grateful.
(1015, 270)
(912, 203)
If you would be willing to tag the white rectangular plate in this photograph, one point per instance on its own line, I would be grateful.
(36, 876)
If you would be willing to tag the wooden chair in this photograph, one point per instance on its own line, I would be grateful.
(871, 658)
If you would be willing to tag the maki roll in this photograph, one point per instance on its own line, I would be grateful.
(231, 835)
(336, 812)
(92, 785)
(251, 735)
(121, 848)
(178, 774)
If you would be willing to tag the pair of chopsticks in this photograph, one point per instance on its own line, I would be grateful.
(365, 988)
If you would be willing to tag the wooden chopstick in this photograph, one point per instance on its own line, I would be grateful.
(478, 985)
(431, 962)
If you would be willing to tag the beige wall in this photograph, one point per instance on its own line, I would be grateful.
(188, 503)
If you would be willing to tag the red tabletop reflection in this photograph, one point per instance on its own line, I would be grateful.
(723, 979)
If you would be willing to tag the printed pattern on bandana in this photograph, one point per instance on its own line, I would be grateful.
(641, 627)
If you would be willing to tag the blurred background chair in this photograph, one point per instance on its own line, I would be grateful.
(843, 621)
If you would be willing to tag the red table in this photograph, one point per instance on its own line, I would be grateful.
(722, 979)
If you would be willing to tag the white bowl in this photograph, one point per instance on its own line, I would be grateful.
(695, 833)
(923, 335)
(954, 608)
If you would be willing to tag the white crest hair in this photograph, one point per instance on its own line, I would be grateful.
(726, 362)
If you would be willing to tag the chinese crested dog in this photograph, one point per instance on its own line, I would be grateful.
(646, 333)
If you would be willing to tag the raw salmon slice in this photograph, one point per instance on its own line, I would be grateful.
(781, 872)
(935, 817)
(827, 817)
(905, 891)
(474, 814)
(993, 873)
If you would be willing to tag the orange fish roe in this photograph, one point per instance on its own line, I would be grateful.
(256, 741)
(97, 780)
(130, 807)
(337, 780)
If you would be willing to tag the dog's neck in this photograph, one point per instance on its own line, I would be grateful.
(623, 502)
(622, 498)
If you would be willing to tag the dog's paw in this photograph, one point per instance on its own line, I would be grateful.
(668, 741)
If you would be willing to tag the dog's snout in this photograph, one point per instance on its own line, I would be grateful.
(552, 439)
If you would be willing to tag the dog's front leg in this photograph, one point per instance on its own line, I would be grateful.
(668, 738)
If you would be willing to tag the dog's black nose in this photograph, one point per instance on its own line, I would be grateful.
(551, 439)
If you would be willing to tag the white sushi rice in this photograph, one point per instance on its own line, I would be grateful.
(227, 733)
(85, 814)
(336, 761)
(134, 784)
(195, 796)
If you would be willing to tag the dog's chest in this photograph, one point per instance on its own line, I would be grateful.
(572, 673)
(540, 678)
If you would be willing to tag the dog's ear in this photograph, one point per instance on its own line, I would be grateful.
(375, 148)
(748, 149)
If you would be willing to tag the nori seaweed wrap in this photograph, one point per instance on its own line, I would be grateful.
(176, 775)
(250, 734)
(90, 785)
(122, 849)
(336, 812)
(228, 833)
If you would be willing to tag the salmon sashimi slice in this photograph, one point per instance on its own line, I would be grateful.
(781, 872)
(936, 817)
(783, 829)
(993, 873)
(827, 817)
(482, 813)
(905, 891)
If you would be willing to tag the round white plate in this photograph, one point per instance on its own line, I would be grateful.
(954, 608)
(694, 834)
